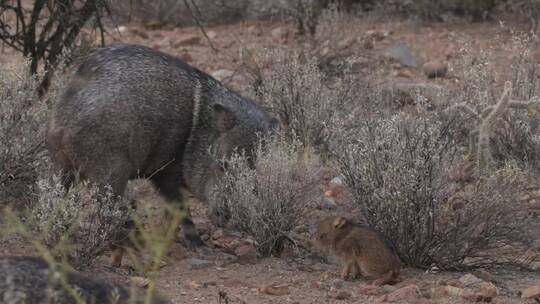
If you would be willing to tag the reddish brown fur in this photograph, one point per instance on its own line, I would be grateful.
(361, 249)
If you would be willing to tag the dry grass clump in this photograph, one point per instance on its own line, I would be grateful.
(86, 218)
(22, 124)
(398, 170)
(269, 198)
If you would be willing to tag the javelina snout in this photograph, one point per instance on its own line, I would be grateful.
(130, 111)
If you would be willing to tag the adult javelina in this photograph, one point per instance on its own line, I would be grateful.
(130, 111)
(31, 280)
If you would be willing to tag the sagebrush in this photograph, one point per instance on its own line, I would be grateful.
(22, 125)
(306, 103)
(87, 218)
(399, 171)
(267, 198)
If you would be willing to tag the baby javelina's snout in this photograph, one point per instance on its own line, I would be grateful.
(361, 249)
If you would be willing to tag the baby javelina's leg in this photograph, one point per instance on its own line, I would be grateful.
(350, 270)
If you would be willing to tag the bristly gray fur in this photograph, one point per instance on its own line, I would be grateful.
(32, 280)
(130, 111)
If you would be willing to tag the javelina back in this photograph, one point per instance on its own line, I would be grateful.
(31, 280)
(130, 111)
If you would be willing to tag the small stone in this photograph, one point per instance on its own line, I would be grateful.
(279, 33)
(336, 284)
(532, 292)
(338, 180)
(187, 40)
(340, 295)
(194, 263)
(434, 69)
(488, 290)
(218, 234)
(402, 54)
(327, 203)
(193, 285)
(140, 33)
(254, 30)
(275, 290)
(211, 34)
(409, 293)
(369, 290)
(246, 254)
(470, 281)
(140, 282)
(222, 74)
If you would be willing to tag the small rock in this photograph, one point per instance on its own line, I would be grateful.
(488, 290)
(336, 284)
(485, 294)
(369, 290)
(402, 54)
(140, 33)
(254, 30)
(275, 290)
(140, 282)
(218, 234)
(327, 203)
(338, 180)
(187, 40)
(341, 295)
(532, 292)
(409, 293)
(246, 254)
(404, 73)
(211, 34)
(194, 263)
(279, 33)
(470, 281)
(222, 74)
(434, 69)
(193, 285)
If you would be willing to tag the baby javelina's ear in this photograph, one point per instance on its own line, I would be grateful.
(339, 222)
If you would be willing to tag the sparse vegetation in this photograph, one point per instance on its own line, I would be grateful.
(86, 218)
(298, 92)
(271, 198)
(22, 125)
(399, 171)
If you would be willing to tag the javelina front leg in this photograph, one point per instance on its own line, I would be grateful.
(169, 185)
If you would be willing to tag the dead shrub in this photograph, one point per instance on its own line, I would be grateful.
(86, 219)
(398, 170)
(269, 198)
(306, 103)
(22, 124)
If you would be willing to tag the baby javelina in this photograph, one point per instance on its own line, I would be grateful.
(360, 248)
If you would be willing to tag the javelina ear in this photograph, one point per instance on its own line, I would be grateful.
(339, 222)
(223, 118)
